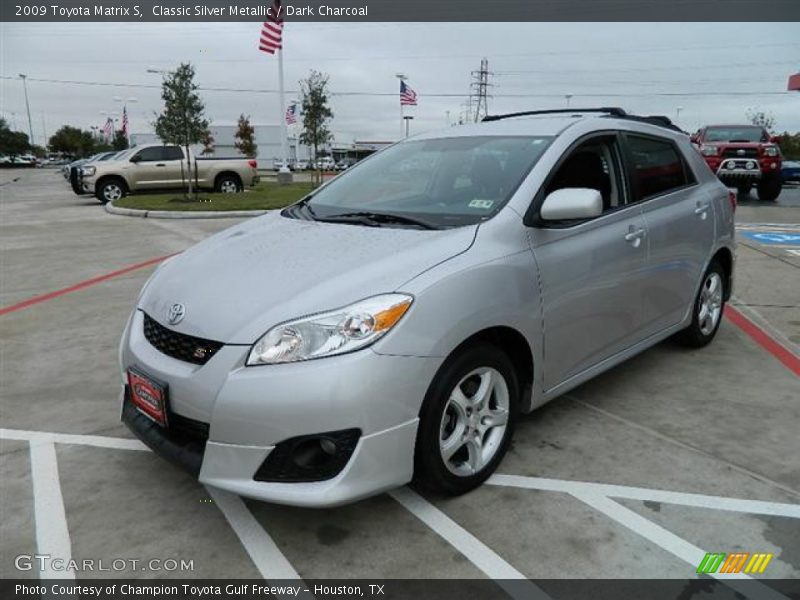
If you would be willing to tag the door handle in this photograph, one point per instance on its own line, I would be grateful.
(701, 210)
(161, 165)
(633, 236)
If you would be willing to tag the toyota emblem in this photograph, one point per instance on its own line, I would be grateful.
(740, 152)
(176, 313)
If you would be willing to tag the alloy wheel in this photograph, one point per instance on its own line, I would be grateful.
(112, 192)
(474, 421)
(228, 186)
(710, 305)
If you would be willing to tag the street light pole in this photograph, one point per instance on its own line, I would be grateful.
(407, 119)
(27, 105)
(568, 97)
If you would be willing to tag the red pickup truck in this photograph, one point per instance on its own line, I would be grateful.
(742, 156)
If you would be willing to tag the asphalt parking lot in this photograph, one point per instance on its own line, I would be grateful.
(636, 474)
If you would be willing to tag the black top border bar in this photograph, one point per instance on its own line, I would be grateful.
(403, 10)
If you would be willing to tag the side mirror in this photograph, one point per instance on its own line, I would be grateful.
(572, 203)
(774, 139)
(694, 138)
(136, 159)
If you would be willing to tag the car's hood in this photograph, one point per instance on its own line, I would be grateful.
(239, 283)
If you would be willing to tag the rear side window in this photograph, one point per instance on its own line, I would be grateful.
(172, 153)
(150, 154)
(657, 167)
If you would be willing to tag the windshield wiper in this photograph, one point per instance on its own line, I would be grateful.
(294, 209)
(375, 219)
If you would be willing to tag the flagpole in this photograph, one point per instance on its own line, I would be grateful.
(284, 129)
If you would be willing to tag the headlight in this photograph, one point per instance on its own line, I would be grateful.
(87, 170)
(709, 150)
(771, 151)
(328, 334)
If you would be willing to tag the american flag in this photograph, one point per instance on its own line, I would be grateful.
(125, 120)
(291, 114)
(272, 30)
(108, 128)
(408, 97)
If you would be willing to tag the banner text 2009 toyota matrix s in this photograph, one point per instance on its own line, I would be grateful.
(393, 324)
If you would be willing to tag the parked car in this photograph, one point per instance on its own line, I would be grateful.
(742, 156)
(383, 329)
(325, 164)
(301, 165)
(342, 165)
(790, 171)
(160, 167)
(69, 174)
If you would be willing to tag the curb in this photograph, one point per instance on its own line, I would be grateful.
(168, 214)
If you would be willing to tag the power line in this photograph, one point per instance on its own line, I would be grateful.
(427, 95)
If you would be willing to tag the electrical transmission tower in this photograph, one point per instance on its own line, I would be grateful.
(479, 89)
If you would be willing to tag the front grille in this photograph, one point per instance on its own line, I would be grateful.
(734, 153)
(178, 345)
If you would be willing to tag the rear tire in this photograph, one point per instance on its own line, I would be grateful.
(707, 309)
(467, 420)
(769, 188)
(228, 184)
(111, 190)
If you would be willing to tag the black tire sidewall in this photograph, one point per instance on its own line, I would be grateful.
(769, 188)
(430, 472)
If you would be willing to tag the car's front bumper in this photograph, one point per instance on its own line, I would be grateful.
(250, 410)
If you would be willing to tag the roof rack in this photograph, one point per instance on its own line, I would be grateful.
(611, 111)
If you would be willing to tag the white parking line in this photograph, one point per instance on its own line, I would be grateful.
(478, 553)
(263, 551)
(98, 441)
(673, 544)
(755, 507)
(52, 534)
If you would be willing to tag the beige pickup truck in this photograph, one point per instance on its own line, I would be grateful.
(160, 167)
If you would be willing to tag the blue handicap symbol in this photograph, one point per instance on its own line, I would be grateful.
(773, 237)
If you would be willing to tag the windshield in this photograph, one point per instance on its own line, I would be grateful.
(445, 182)
(735, 134)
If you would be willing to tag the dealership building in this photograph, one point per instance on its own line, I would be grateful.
(268, 141)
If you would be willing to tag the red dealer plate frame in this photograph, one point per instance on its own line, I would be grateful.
(148, 396)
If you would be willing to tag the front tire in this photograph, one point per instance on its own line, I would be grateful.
(769, 188)
(708, 308)
(467, 420)
(111, 190)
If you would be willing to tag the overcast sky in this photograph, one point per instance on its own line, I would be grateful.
(633, 65)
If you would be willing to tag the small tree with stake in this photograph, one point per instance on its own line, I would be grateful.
(316, 112)
(245, 137)
(182, 122)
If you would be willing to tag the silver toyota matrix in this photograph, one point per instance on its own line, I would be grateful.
(392, 325)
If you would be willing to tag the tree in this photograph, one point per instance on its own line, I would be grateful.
(208, 144)
(760, 118)
(12, 143)
(789, 144)
(182, 121)
(120, 141)
(245, 137)
(73, 141)
(316, 112)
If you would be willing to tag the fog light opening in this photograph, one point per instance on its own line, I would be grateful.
(314, 452)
